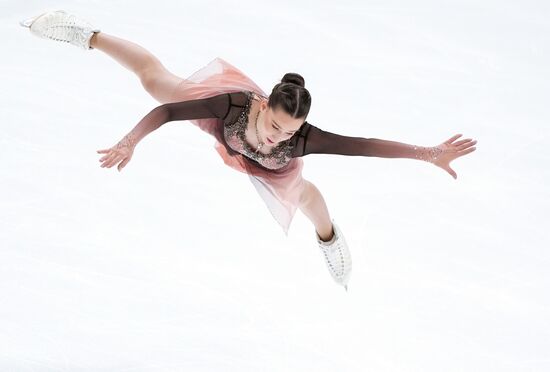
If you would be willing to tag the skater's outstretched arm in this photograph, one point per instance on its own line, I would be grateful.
(213, 107)
(312, 140)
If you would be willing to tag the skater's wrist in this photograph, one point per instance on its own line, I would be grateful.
(130, 141)
(428, 154)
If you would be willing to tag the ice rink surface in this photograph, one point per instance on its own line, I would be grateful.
(175, 264)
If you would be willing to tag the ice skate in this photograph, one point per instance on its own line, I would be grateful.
(337, 256)
(61, 26)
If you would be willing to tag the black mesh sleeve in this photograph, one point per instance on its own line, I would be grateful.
(213, 107)
(222, 106)
(312, 140)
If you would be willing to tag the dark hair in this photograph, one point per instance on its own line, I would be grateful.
(291, 95)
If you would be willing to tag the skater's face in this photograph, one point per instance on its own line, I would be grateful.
(276, 125)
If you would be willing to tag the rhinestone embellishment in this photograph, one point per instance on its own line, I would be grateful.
(235, 135)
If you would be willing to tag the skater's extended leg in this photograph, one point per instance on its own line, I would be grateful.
(329, 237)
(155, 78)
(313, 205)
(61, 26)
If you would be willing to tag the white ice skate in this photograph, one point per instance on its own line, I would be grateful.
(61, 26)
(337, 256)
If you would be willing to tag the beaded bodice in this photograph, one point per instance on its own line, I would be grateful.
(235, 137)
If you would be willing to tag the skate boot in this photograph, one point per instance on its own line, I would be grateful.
(337, 256)
(61, 26)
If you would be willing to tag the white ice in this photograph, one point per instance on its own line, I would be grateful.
(175, 264)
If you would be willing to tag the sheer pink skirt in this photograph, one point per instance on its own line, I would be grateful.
(280, 189)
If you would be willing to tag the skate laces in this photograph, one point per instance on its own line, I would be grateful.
(335, 257)
(65, 28)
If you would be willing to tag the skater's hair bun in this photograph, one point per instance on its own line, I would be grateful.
(291, 95)
(294, 78)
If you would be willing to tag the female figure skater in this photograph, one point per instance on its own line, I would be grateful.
(262, 136)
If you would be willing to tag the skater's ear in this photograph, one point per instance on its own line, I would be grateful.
(263, 105)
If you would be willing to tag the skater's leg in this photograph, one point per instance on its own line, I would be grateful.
(155, 78)
(330, 239)
(313, 205)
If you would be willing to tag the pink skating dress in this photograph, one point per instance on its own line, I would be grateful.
(217, 99)
(278, 180)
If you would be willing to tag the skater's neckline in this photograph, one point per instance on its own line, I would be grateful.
(276, 158)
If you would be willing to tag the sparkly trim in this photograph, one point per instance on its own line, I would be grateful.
(429, 154)
(279, 156)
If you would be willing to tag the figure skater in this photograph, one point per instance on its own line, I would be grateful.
(260, 135)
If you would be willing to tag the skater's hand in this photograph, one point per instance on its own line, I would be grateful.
(120, 153)
(450, 150)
